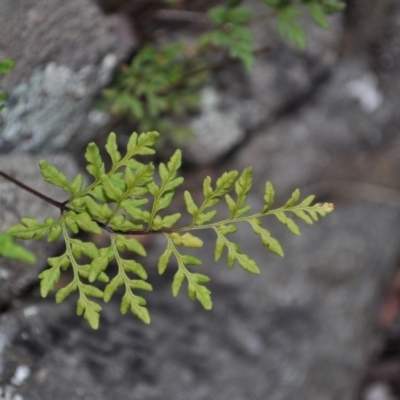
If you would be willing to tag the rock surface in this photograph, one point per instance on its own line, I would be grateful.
(305, 328)
(65, 53)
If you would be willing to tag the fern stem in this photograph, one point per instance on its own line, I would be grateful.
(214, 224)
(41, 196)
(71, 257)
(121, 271)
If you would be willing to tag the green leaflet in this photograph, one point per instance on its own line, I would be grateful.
(123, 243)
(318, 14)
(187, 240)
(82, 221)
(234, 252)
(120, 200)
(89, 310)
(130, 301)
(213, 196)
(32, 229)
(52, 175)
(164, 193)
(196, 289)
(242, 187)
(267, 240)
(6, 65)
(96, 165)
(112, 148)
(51, 276)
(11, 250)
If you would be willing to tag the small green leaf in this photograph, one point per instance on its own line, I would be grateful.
(6, 65)
(307, 201)
(200, 278)
(130, 244)
(248, 264)
(242, 187)
(219, 247)
(269, 196)
(80, 248)
(290, 224)
(96, 165)
(135, 304)
(92, 291)
(112, 287)
(203, 295)
(54, 233)
(295, 196)
(139, 284)
(120, 223)
(142, 144)
(84, 221)
(11, 250)
(29, 229)
(240, 15)
(187, 240)
(76, 185)
(54, 176)
(164, 260)
(288, 26)
(51, 276)
(218, 15)
(190, 204)
(112, 148)
(97, 266)
(179, 277)
(96, 209)
(64, 292)
(318, 14)
(90, 311)
(206, 217)
(71, 224)
(111, 190)
(302, 215)
(168, 221)
(267, 240)
(190, 260)
(225, 182)
(135, 267)
(134, 211)
(226, 229)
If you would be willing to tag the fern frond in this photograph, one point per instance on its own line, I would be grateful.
(126, 201)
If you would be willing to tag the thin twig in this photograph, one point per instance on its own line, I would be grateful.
(41, 196)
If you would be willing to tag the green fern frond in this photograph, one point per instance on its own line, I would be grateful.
(128, 200)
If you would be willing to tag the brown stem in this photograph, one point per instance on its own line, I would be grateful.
(41, 196)
(64, 207)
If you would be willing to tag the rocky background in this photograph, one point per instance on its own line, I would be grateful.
(321, 323)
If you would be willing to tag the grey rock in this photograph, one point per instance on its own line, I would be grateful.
(280, 80)
(349, 117)
(65, 53)
(302, 328)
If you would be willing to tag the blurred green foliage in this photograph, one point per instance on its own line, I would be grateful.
(160, 86)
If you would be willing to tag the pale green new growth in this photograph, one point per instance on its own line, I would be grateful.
(126, 201)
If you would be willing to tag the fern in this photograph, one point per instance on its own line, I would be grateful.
(125, 201)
